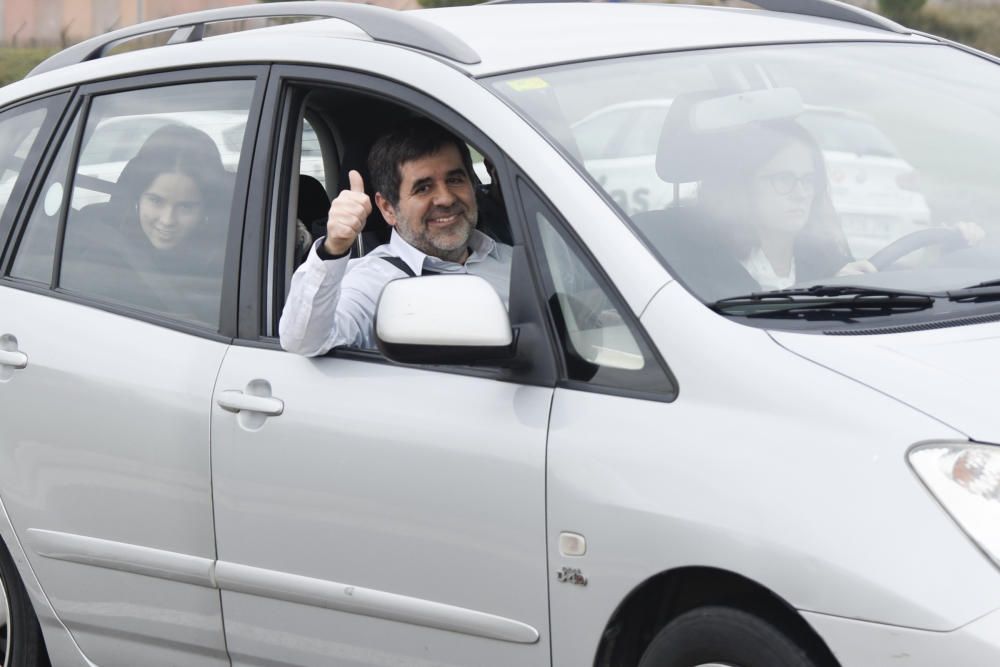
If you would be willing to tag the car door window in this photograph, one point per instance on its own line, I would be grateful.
(18, 132)
(152, 196)
(36, 250)
(341, 126)
(602, 345)
(311, 189)
(311, 162)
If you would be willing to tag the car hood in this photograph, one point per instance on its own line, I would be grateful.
(950, 374)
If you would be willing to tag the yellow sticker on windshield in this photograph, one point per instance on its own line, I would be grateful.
(532, 83)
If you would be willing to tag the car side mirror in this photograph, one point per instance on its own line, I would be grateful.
(444, 319)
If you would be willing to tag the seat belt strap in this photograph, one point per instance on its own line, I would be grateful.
(405, 268)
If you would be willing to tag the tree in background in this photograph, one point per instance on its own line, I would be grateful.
(16, 62)
(900, 10)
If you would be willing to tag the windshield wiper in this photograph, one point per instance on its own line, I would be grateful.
(839, 302)
(985, 291)
(988, 283)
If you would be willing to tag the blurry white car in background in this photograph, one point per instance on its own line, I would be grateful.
(614, 144)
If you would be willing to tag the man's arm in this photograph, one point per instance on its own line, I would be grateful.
(316, 318)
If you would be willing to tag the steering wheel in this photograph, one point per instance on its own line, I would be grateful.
(948, 239)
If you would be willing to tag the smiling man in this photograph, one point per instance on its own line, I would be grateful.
(423, 181)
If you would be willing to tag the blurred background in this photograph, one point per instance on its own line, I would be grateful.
(31, 30)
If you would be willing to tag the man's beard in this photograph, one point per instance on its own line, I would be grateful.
(450, 244)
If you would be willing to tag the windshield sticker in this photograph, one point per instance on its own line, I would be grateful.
(532, 83)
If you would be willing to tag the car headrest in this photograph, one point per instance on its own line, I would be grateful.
(314, 203)
(701, 129)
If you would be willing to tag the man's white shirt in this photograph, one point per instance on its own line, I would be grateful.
(332, 302)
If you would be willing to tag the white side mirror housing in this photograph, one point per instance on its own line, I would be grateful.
(443, 319)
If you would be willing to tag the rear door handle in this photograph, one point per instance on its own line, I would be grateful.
(237, 401)
(13, 359)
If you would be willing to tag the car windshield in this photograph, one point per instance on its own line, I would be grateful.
(754, 169)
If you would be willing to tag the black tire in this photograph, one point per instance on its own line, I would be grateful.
(21, 643)
(723, 637)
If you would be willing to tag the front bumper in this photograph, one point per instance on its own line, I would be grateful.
(864, 644)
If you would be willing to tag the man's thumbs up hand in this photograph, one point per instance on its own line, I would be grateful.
(348, 213)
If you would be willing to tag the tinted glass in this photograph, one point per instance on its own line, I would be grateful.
(18, 131)
(152, 198)
(36, 251)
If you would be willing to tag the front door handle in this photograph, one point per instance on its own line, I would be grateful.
(13, 359)
(238, 401)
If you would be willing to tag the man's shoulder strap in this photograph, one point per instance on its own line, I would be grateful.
(405, 268)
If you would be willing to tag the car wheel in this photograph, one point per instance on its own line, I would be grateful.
(723, 637)
(21, 642)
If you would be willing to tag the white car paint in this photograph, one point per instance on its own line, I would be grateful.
(356, 512)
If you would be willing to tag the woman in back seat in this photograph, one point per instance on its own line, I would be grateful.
(159, 243)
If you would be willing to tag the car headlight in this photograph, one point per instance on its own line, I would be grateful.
(965, 478)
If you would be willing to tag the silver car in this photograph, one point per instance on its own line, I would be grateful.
(707, 433)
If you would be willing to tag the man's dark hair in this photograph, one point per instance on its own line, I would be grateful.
(409, 140)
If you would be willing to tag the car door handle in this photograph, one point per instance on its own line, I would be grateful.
(237, 401)
(13, 359)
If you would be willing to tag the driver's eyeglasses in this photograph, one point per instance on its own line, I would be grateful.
(784, 182)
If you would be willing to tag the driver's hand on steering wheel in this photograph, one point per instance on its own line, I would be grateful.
(856, 268)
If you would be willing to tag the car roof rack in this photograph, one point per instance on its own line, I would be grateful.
(828, 9)
(832, 9)
(382, 25)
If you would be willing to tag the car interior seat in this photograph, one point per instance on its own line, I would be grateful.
(683, 233)
(313, 205)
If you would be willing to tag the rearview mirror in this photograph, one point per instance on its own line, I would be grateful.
(445, 319)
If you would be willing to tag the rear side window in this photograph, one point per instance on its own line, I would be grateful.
(152, 195)
(20, 130)
(18, 133)
(36, 252)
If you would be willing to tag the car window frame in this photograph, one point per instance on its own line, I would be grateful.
(538, 367)
(62, 105)
(80, 108)
(656, 363)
